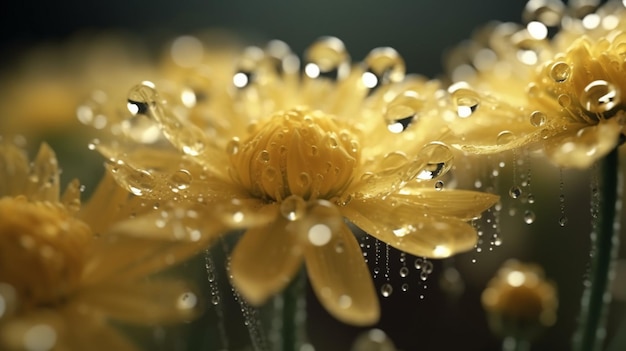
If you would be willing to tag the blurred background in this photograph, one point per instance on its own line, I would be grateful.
(441, 313)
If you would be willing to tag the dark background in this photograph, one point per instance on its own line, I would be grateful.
(419, 30)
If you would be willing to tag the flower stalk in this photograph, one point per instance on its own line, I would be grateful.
(590, 333)
(294, 314)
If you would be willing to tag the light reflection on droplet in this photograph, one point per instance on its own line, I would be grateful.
(319, 234)
(40, 337)
(386, 290)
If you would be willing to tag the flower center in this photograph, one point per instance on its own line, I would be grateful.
(42, 250)
(296, 152)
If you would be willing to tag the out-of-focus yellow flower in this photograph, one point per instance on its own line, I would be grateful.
(519, 301)
(66, 270)
(289, 156)
(515, 86)
(42, 87)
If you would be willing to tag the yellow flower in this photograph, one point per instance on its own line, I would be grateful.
(65, 271)
(288, 157)
(519, 301)
(514, 87)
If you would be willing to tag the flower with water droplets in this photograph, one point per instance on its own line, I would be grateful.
(519, 301)
(516, 86)
(66, 270)
(289, 155)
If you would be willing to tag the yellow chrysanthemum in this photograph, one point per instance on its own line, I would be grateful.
(65, 271)
(519, 301)
(289, 156)
(514, 86)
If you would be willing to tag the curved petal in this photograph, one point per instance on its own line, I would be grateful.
(44, 176)
(89, 332)
(341, 279)
(147, 303)
(462, 204)
(420, 235)
(265, 260)
(580, 148)
(121, 258)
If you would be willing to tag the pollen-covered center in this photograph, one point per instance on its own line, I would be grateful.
(42, 250)
(296, 152)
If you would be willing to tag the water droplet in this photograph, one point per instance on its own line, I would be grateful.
(439, 185)
(386, 290)
(466, 100)
(293, 208)
(515, 192)
(418, 263)
(439, 160)
(264, 156)
(215, 300)
(180, 180)
(529, 217)
(600, 96)
(247, 67)
(563, 221)
(560, 72)
(402, 111)
(187, 301)
(537, 118)
(232, 148)
(327, 58)
(531, 198)
(404, 271)
(304, 180)
(382, 66)
(564, 100)
(505, 137)
(405, 287)
(345, 301)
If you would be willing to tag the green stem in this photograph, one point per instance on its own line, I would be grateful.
(591, 330)
(294, 314)
(515, 344)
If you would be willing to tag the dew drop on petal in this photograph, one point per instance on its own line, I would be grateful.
(439, 160)
(187, 301)
(386, 290)
(232, 148)
(564, 100)
(465, 99)
(345, 301)
(180, 180)
(529, 217)
(293, 208)
(505, 137)
(537, 118)
(402, 111)
(560, 72)
(327, 58)
(599, 96)
(439, 185)
(319, 234)
(382, 66)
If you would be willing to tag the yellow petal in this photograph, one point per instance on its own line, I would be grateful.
(389, 174)
(341, 279)
(41, 329)
(580, 148)
(265, 260)
(89, 332)
(104, 205)
(119, 258)
(462, 204)
(420, 235)
(13, 170)
(147, 303)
